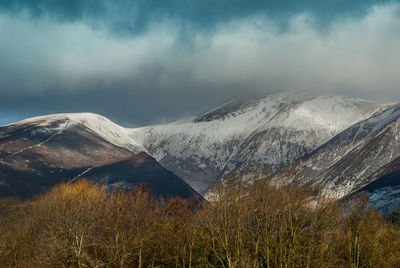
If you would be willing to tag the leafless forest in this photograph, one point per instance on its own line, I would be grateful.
(82, 225)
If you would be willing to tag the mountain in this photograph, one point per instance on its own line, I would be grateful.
(40, 152)
(364, 157)
(270, 132)
(339, 145)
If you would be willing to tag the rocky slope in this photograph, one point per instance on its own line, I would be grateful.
(40, 152)
(364, 157)
(141, 169)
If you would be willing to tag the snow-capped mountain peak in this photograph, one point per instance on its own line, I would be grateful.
(269, 132)
(95, 123)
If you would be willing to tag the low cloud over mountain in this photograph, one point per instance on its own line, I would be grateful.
(116, 57)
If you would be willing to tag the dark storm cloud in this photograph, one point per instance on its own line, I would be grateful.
(132, 17)
(130, 108)
(143, 62)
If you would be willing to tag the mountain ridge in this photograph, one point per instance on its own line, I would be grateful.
(275, 130)
(315, 137)
(38, 153)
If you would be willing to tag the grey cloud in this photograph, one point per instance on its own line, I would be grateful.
(126, 17)
(135, 107)
(49, 66)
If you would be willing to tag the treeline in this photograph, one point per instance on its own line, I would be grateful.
(82, 225)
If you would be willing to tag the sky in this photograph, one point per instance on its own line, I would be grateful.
(141, 62)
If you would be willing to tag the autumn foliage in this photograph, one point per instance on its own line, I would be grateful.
(82, 225)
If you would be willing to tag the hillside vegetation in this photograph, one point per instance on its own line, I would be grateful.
(82, 225)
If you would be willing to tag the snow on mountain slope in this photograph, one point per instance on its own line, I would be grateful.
(384, 190)
(39, 153)
(97, 124)
(354, 158)
(269, 132)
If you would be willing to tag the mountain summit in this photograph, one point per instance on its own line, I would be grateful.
(269, 132)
